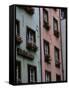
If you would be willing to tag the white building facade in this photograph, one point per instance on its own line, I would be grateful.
(28, 69)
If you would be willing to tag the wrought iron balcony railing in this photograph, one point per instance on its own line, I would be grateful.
(25, 54)
(31, 46)
(57, 64)
(56, 33)
(47, 59)
(46, 25)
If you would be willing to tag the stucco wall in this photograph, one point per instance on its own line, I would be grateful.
(33, 22)
(53, 41)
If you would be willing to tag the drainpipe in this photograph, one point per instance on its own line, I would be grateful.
(40, 41)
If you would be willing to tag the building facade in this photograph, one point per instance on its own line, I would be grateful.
(63, 33)
(38, 45)
(51, 45)
(28, 68)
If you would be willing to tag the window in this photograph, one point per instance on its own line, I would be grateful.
(30, 35)
(18, 37)
(46, 52)
(58, 77)
(46, 48)
(47, 76)
(45, 15)
(56, 53)
(55, 27)
(45, 19)
(17, 27)
(55, 23)
(32, 77)
(31, 40)
(18, 72)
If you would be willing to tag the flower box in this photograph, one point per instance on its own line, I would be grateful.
(56, 33)
(47, 59)
(46, 25)
(18, 39)
(31, 46)
(25, 54)
(57, 63)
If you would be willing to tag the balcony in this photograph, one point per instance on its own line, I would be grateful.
(25, 54)
(56, 33)
(31, 46)
(57, 64)
(29, 10)
(47, 59)
(18, 39)
(46, 25)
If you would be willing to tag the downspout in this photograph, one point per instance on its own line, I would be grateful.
(40, 41)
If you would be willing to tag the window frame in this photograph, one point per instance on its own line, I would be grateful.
(45, 12)
(46, 43)
(56, 50)
(18, 27)
(55, 21)
(35, 71)
(27, 34)
(48, 73)
(59, 76)
(18, 63)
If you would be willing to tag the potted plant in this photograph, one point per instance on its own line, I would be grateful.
(18, 39)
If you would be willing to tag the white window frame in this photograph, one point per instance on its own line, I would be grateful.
(32, 74)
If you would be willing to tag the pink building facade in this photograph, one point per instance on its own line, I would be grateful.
(51, 45)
